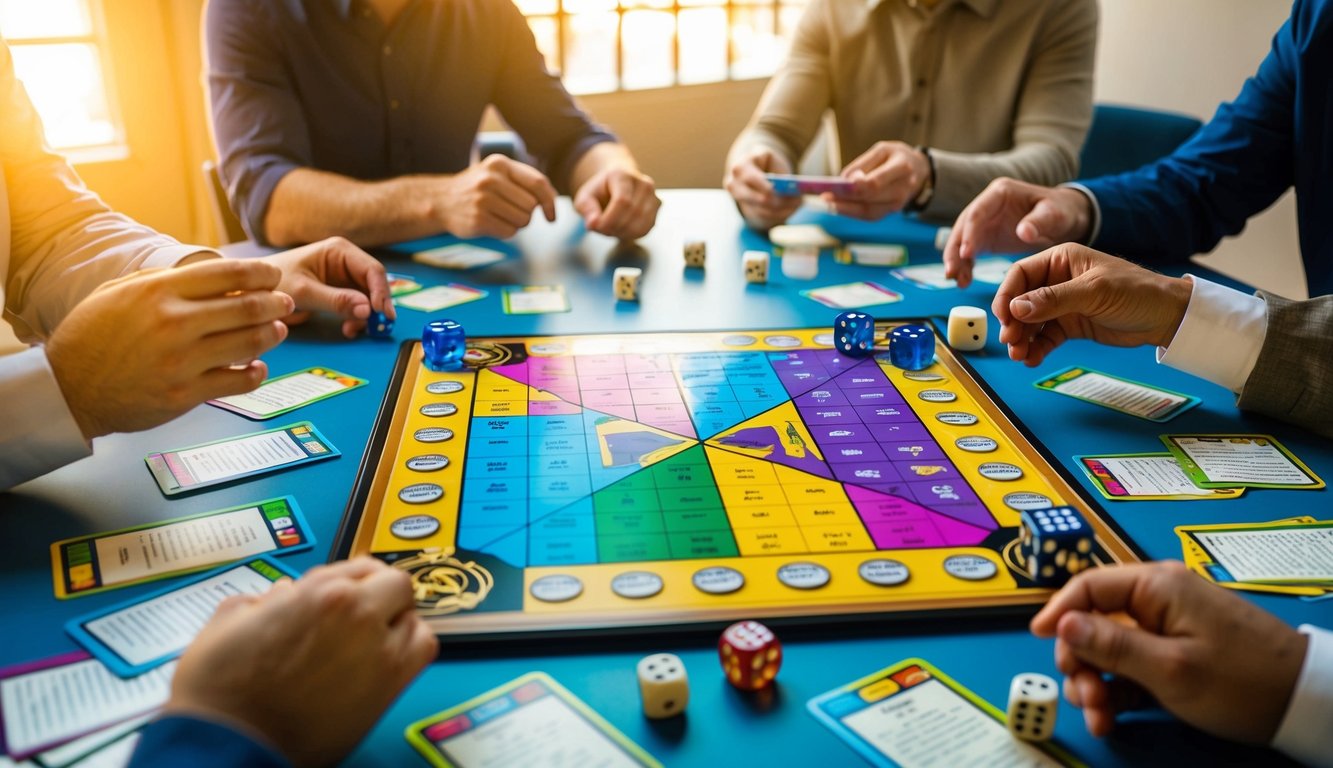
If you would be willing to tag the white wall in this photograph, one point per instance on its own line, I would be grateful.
(1188, 56)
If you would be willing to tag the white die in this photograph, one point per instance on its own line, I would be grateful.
(663, 685)
(696, 253)
(967, 328)
(1032, 706)
(626, 281)
(756, 266)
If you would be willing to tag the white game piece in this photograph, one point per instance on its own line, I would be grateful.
(942, 237)
(663, 685)
(1032, 706)
(800, 262)
(812, 235)
(756, 266)
(967, 328)
(696, 253)
(626, 280)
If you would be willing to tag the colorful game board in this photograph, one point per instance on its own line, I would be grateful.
(610, 482)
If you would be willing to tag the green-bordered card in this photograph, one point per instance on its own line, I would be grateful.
(531, 721)
(286, 393)
(1142, 400)
(1146, 477)
(157, 550)
(1254, 461)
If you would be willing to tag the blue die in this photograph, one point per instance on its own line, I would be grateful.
(854, 334)
(443, 344)
(379, 326)
(912, 347)
(1056, 543)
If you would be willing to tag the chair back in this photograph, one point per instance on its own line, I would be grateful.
(1125, 138)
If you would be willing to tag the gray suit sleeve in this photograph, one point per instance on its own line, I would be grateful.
(1293, 378)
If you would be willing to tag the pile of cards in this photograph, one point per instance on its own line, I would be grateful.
(1290, 557)
(1199, 467)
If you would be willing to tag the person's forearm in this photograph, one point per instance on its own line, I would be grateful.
(310, 205)
(598, 158)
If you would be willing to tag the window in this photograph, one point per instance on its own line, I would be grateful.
(609, 45)
(59, 50)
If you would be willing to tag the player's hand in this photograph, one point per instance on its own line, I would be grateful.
(618, 201)
(494, 198)
(1073, 292)
(335, 276)
(887, 176)
(310, 665)
(145, 348)
(759, 204)
(1212, 658)
(1011, 216)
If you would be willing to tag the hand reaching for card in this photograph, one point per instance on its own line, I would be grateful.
(1213, 659)
(1073, 292)
(887, 176)
(311, 664)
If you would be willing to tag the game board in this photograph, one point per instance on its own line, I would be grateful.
(679, 480)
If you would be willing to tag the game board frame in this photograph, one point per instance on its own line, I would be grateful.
(484, 631)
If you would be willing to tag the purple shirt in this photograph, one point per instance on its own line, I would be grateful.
(325, 84)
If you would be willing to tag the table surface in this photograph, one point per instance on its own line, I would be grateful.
(111, 490)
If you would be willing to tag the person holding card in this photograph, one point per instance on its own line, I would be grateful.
(932, 100)
(134, 327)
(296, 676)
(1274, 136)
(357, 118)
(1275, 354)
(1213, 659)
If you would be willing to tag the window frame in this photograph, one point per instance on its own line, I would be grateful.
(560, 17)
(97, 37)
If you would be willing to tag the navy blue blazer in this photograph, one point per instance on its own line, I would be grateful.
(1278, 133)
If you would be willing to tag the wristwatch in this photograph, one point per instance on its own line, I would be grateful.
(927, 192)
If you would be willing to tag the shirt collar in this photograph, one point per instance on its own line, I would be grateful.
(983, 8)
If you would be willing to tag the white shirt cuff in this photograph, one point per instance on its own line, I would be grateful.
(1306, 733)
(1220, 337)
(171, 255)
(1096, 228)
(40, 432)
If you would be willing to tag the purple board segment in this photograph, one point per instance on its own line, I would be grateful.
(799, 370)
(898, 523)
(759, 438)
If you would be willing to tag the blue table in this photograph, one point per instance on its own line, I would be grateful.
(112, 490)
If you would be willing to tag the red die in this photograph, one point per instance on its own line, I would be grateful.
(751, 655)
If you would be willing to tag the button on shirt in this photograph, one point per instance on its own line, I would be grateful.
(993, 88)
(326, 84)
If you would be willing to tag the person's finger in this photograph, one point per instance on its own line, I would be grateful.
(218, 276)
(233, 604)
(223, 381)
(1106, 590)
(956, 265)
(1113, 647)
(224, 313)
(1071, 692)
(1044, 343)
(241, 344)
(897, 171)
(1025, 275)
(389, 590)
(506, 210)
(867, 161)
(350, 303)
(1046, 224)
(621, 190)
(412, 641)
(536, 184)
(587, 202)
(356, 568)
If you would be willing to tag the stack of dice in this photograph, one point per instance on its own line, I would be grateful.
(1056, 543)
(750, 654)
